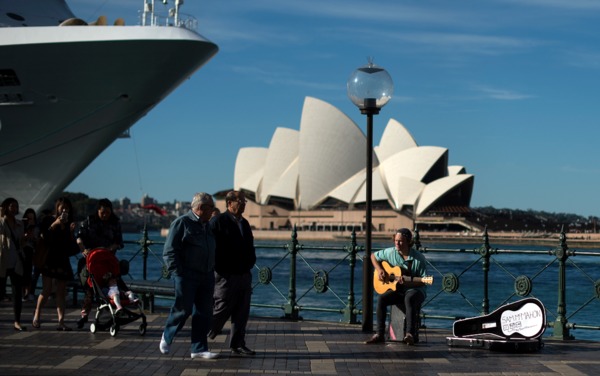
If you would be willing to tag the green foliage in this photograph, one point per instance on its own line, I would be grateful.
(532, 220)
(83, 205)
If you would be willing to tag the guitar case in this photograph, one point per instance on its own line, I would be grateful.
(513, 327)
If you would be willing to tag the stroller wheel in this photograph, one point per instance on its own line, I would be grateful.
(93, 328)
(142, 329)
(114, 329)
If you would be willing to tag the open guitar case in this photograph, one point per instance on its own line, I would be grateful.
(514, 327)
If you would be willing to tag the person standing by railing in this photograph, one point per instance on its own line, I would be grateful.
(235, 257)
(189, 256)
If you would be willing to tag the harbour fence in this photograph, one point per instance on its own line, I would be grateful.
(293, 279)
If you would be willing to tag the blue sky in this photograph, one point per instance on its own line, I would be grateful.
(510, 87)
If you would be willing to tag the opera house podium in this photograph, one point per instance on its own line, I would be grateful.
(513, 327)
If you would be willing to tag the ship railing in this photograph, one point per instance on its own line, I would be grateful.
(169, 19)
(297, 279)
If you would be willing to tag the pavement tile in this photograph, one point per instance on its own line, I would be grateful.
(283, 348)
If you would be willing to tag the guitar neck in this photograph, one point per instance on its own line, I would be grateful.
(405, 278)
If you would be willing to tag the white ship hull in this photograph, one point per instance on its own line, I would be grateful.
(66, 93)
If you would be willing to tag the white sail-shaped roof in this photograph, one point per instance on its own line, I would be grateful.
(395, 138)
(404, 191)
(438, 188)
(378, 192)
(329, 141)
(412, 163)
(325, 160)
(286, 185)
(283, 151)
(348, 190)
(249, 168)
(455, 170)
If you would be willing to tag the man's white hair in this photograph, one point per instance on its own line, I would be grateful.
(201, 198)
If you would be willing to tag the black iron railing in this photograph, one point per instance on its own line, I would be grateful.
(292, 278)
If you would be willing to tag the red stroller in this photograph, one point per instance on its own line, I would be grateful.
(103, 266)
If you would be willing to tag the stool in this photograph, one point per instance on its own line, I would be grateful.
(397, 328)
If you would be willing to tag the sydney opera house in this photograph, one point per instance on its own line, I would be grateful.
(314, 177)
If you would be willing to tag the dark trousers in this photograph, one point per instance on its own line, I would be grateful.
(232, 299)
(409, 301)
(27, 267)
(2, 288)
(193, 296)
(16, 282)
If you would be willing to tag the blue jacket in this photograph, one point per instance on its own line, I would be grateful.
(190, 247)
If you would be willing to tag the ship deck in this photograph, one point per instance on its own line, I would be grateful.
(283, 347)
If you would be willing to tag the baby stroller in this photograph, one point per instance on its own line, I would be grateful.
(103, 266)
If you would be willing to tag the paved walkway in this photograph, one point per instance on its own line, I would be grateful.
(283, 347)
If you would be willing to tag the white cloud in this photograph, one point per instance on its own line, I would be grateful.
(501, 94)
(279, 76)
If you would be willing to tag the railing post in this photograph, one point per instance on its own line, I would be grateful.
(560, 329)
(350, 310)
(485, 252)
(291, 309)
(144, 244)
(417, 239)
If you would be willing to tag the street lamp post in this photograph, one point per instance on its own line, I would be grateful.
(369, 87)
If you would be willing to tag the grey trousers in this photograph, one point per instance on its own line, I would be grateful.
(232, 299)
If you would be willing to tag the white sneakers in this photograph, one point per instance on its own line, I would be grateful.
(205, 355)
(132, 298)
(164, 346)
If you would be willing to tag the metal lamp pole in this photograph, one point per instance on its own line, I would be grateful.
(369, 87)
(367, 325)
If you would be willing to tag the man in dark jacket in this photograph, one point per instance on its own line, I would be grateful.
(234, 258)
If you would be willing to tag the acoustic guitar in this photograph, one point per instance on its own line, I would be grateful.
(394, 275)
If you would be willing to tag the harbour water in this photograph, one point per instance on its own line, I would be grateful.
(315, 264)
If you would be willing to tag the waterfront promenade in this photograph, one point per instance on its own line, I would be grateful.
(283, 347)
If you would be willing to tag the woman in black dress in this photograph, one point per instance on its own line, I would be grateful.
(59, 240)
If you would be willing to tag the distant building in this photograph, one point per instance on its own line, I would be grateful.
(125, 203)
(315, 177)
(147, 200)
(182, 206)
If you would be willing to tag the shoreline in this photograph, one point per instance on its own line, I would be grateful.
(586, 241)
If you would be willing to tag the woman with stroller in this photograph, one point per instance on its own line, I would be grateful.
(57, 234)
(100, 230)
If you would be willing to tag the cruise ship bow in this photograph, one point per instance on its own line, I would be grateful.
(69, 89)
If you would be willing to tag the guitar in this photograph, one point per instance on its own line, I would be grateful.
(394, 275)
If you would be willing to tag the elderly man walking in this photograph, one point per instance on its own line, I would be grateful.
(189, 255)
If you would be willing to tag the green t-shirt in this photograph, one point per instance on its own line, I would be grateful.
(418, 267)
